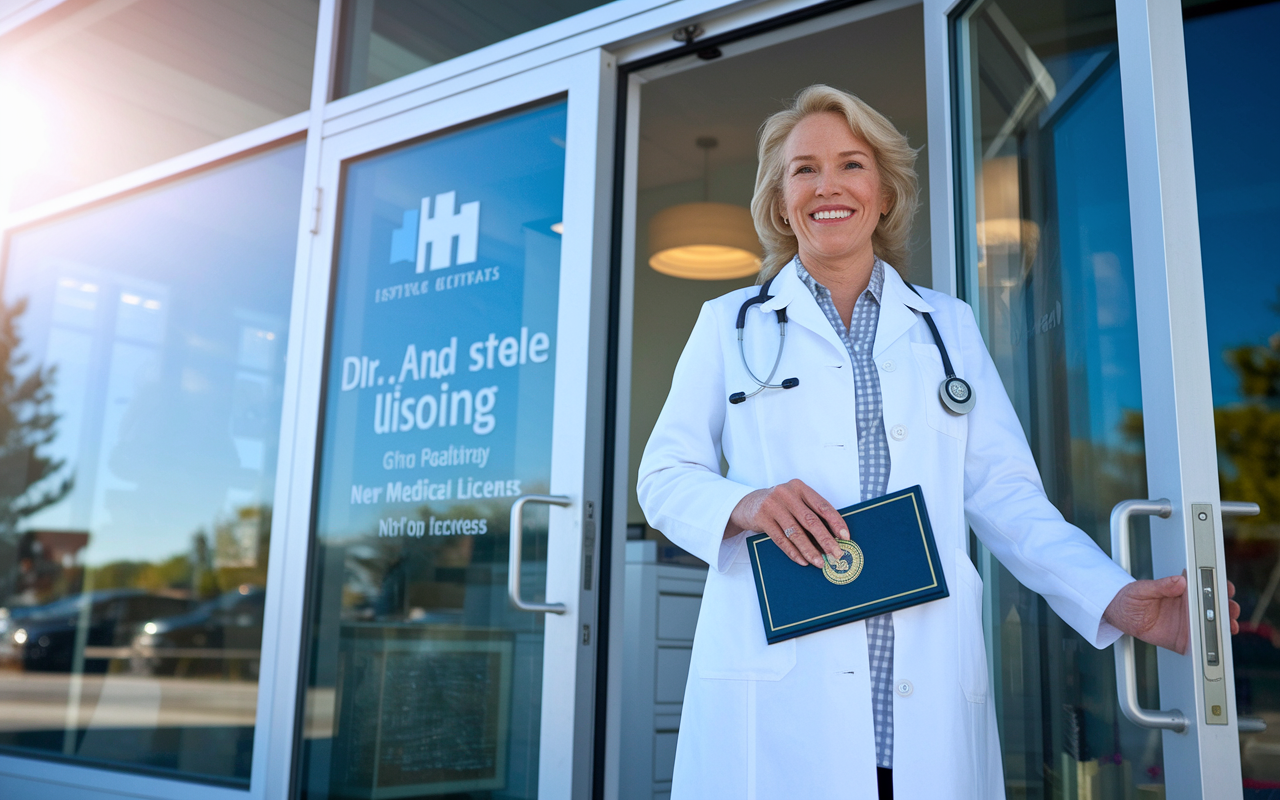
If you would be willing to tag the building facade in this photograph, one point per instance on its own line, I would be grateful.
(332, 331)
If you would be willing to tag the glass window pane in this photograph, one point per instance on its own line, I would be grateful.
(1047, 264)
(423, 679)
(386, 39)
(109, 87)
(1232, 65)
(142, 362)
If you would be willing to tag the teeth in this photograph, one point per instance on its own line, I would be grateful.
(841, 214)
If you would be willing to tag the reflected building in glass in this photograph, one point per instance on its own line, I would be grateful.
(143, 410)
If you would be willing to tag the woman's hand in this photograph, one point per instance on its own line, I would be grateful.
(796, 517)
(1156, 612)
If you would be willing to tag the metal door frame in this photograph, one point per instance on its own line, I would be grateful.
(1177, 398)
(586, 79)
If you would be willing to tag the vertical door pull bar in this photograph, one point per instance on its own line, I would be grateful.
(1126, 670)
(513, 561)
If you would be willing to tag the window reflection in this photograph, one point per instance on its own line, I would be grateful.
(142, 355)
(1238, 210)
(97, 89)
(385, 39)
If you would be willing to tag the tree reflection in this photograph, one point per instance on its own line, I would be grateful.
(1249, 432)
(1248, 438)
(237, 558)
(59, 616)
(29, 480)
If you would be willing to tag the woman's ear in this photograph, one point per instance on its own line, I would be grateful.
(780, 214)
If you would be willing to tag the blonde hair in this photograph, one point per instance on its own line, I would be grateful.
(894, 157)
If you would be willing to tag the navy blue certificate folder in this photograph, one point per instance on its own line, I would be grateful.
(890, 563)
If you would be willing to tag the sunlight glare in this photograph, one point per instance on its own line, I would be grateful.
(23, 138)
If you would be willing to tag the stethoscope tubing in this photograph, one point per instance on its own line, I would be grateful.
(761, 385)
(955, 394)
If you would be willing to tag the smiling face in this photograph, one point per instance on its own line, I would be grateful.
(832, 195)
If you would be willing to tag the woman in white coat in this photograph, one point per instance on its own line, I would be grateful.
(896, 704)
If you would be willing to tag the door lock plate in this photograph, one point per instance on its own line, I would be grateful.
(1208, 609)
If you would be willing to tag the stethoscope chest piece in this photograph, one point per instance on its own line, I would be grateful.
(956, 395)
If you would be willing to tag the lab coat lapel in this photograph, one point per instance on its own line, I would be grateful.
(789, 292)
(898, 307)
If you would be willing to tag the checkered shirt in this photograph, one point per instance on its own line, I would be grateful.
(873, 465)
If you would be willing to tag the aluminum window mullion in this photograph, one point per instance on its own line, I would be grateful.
(942, 192)
(285, 612)
(1173, 346)
(30, 777)
(624, 322)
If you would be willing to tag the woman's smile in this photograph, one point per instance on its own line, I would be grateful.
(830, 214)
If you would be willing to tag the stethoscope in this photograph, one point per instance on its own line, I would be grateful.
(955, 393)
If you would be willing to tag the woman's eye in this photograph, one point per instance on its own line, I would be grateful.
(853, 165)
(804, 169)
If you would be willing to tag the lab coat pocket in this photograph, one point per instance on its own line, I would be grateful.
(730, 643)
(931, 372)
(971, 647)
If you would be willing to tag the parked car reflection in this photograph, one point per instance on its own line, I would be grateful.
(223, 634)
(44, 638)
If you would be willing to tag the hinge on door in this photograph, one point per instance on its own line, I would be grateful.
(588, 552)
(315, 212)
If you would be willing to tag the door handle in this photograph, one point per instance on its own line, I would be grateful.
(1126, 669)
(1238, 509)
(517, 541)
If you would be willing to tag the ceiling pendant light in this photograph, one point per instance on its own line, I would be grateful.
(704, 241)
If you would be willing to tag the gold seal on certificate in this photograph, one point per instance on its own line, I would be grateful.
(848, 568)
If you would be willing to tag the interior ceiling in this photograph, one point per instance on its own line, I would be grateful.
(880, 59)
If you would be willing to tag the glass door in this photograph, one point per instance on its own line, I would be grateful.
(449, 644)
(1048, 268)
(1230, 65)
(1080, 252)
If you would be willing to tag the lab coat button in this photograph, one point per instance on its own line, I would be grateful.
(889, 366)
(898, 432)
(904, 687)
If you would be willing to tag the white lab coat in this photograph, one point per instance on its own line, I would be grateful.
(793, 720)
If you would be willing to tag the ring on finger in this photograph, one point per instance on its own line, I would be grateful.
(789, 531)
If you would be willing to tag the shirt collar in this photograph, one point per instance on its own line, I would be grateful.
(875, 286)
